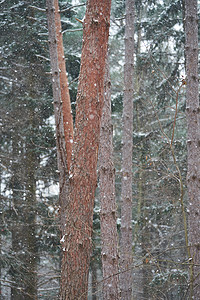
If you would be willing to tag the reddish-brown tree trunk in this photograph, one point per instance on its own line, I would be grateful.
(193, 142)
(65, 97)
(77, 195)
(127, 148)
(109, 236)
(58, 112)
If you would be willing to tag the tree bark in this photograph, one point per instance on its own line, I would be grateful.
(127, 148)
(65, 97)
(60, 137)
(17, 227)
(30, 242)
(193, 142)
(77, 194)
(109, 236)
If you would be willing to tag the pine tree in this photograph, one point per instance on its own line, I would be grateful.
(78, 184)
(127, 157)
(109, 235)
(193, 142)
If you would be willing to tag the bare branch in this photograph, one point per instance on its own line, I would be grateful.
(71, 7)
(72, 30)
(37, 8)
(43, 57)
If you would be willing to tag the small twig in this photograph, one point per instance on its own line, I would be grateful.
(37, 8)
(43, 57)
(119, 19)
(43, 34)
(72, 30)
(31, 18)
(74, 80)
(71, 7)
(79, 20)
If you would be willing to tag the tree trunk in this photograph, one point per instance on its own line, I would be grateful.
(65, 97)
(60, 137)
(109, 236)
(127, 148)
(77, 194)
(94, 288)
(17, 226)
(30, 223)
(193, 142)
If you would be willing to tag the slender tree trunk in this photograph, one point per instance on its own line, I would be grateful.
(109, 236)
(65, 97)
(1, 229)
(60, 137)
(17, 227)
(193, 142)
(77, 194)
(30, 223)
(93, 266)
(127, 148)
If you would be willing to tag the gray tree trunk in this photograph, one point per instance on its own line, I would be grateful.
(109, 235)
(193, 142)
(127, 148)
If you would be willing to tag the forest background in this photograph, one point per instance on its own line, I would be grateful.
(30, 238)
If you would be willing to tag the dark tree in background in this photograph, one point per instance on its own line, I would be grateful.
(109, 235)
(27, 147)
(126, 253)
(193, 142)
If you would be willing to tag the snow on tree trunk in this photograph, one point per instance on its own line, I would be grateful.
(77, 195)
(127, 148)
(193, 141)
(109, 236)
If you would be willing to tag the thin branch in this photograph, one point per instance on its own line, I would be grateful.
(74, 80)
(31, 18)
(43, 57)
(43, 34)
(119, 19)
(71, 7)
(72, 30)
(37, 8)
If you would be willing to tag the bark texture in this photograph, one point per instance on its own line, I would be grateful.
(30, 241)
(127, 148)
(58, 112)
(193, 142)
(77, 239)
(77, 195)
(109, 236)
(65, 97)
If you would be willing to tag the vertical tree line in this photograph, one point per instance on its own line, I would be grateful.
(193, 141)
(127, 158)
